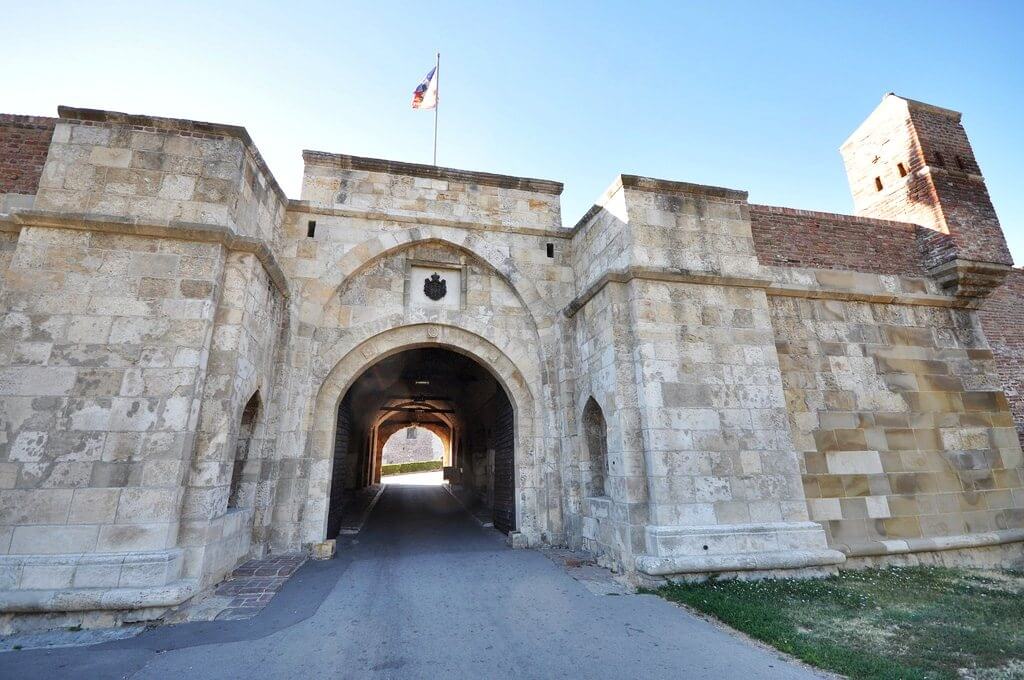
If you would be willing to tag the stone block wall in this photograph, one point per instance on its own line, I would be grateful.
(240, 366)
(709, 450)
(901, 421)
(159, 171)
(367, 218)
(422, 446)
(408, 190)
(600, 242)
(758, 370)
(611, 526)
(104, 341)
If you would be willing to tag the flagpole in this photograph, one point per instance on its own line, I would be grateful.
(437, 104)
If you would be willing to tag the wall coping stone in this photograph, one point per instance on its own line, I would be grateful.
(174, 230)
(184, 126)
(316, 209)
(347, 162)
(657, 186)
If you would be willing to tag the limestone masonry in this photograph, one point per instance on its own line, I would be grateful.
(196, 370)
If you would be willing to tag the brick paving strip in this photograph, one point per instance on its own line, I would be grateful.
(253, 584)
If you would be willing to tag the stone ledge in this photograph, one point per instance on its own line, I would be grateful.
(347, 162)
(735, 547)
(970, 278)
(313, 209)
(655, 185)
(932, 544)
(769, 286)
(180, 231)
(659, 274)
(89, 571)
(95, 599)
(696, 564)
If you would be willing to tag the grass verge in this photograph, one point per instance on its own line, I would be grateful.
(403, 468)
(920, 622)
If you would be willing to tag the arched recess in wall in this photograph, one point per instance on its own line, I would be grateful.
(528, 473)
(595, 439)
(373, 299)
(359, 257)
(243, 478)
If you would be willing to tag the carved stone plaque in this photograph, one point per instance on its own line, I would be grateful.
(434, 286)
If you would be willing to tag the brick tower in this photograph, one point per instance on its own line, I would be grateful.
(912, 162)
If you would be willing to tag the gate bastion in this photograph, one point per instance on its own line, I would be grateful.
(700, 385)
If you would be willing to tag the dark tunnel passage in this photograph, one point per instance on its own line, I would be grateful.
(446, 393)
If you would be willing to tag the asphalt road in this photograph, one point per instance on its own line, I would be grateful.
(425, 592)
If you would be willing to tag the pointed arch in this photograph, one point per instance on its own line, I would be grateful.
(242, 492)
(595, 440)
(473, 244)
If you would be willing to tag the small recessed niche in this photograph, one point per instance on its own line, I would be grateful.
(939, 160)
(960, 164)
(902, 168)
(311, 228)
(551, 249)
(878, 184)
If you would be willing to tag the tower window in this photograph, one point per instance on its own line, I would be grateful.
(551, 249)
(960, 164)
(878, 183)
(939, 160)
(311, 228)
(902, 168)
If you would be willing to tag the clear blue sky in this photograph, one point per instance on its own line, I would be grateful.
(748, 95)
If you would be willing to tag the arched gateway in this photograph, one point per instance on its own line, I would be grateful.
(450, 380)
(196, 369)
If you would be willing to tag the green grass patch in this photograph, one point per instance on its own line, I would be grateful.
(403, 468)
(920, 622)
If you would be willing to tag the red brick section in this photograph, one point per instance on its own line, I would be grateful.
(912, 162)
(963, 200)
(24, 143)
(1002, 318)
(785, 237)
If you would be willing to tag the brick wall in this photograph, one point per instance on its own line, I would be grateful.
(24, 142)
(785, 237)
(913, 162)
(1002, 318)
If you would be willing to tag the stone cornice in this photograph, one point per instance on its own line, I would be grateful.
(314, 209)
(183, 126)
(659, 274)
(657, 186)
(768, 285)
(662, 186)
(346, 162)
(178, 231)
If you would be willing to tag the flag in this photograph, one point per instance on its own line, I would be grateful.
(425, 94)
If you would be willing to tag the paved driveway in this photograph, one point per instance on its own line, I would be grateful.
(425, 592)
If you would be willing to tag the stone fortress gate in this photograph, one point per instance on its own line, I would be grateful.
(196, 369)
